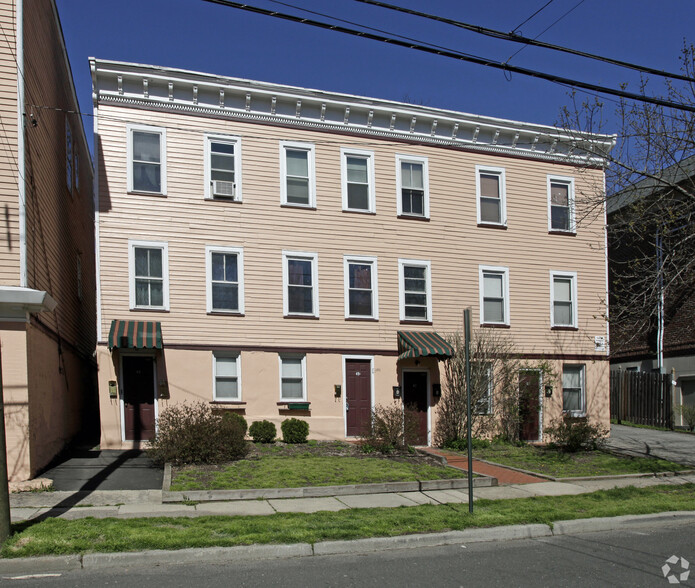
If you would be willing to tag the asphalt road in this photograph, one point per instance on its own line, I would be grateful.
(678, 447)
(616, 558)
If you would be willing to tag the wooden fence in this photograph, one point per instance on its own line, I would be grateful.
(643, 398)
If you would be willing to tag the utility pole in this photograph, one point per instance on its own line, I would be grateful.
(4, 485)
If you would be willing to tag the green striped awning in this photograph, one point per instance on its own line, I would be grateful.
(135, 335)
(421, 344)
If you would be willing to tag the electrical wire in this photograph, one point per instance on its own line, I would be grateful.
(517, 27)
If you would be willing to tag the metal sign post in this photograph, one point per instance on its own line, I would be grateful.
(4, 490)
(467, 339)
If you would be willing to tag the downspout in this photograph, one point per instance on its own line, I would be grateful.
(95, 169)
(21, 163)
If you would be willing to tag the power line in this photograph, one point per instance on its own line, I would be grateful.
(517, 27)
(457, 55)
(520, 39)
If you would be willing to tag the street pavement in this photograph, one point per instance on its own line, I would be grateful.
(678, 447)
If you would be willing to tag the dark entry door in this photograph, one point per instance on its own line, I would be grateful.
(138, 398)
(358, 396)
(529, 405)
(415, 400)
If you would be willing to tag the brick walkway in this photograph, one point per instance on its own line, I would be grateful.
(503, 475)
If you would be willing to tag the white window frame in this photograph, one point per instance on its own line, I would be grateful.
(236, 356)
(310, 150)
(573, 290)
(582, 381)
(239, 252)
(301, 356)
(69, 156)
(161, 131)
(487, 398)
(364, 260)
(570, 202)
(305, 256)
(401, 287)
(164, 246)
(492, 171)
(403, 158)
(229, 140)
(346, 152)
(504, 272)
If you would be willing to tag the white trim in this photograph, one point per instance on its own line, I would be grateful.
(21, 158)
(504, 272)
(162, 132)
(164, 246)
(229, 140)
(492, 171)
(97, 220)
(366, 260)
(137, 353)
(346, 152)
(236, 355)
(239, 252)
(573, 291)
(569, 181)
(405, 158)
(401, 287)
(605, 268)
(305, 256)
(310, 150)
(370, 359)
(429, 397)
(582, 382)
(301, 356)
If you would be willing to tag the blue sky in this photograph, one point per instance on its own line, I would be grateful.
(200, 36)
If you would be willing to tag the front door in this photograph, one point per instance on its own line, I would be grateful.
(415, 400)
(529, 405)
(358, 396)
(138, 398)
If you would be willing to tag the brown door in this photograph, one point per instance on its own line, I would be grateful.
(358, 396)
(415, 401)
(138, 398)
(529, 405)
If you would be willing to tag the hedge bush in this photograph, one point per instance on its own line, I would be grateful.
(294, 431)
(238, 418)
(576, 434)
(263, 432)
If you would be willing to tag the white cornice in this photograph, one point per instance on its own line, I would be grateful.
(174, 90)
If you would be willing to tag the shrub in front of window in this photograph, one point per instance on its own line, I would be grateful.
(576, 434)
(240, 420)
(195, 434)
(263, 432)
(294, 431)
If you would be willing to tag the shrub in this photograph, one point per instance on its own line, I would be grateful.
(194, 434)
(391, 428)
(238, 418)
(574, 434)
(263, 432)
(462, 444)
(688, 414)
(294, 431)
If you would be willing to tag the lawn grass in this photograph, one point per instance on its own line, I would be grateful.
(59, 536)
(555, 463)
(305, 470)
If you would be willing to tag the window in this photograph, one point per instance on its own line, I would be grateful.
(76, 164)
(360, 287)
(69, 154)
(225, 279)
(227, 377)
(78, 263)
(292, 377)
(149, 280)
(561, 204)
(413, 189)
(415, 292)
(297, 179)
(494, 295)
(300, 280)
(357, 170)
(482, 378)
(563, 296)
(222, 167)
(490, 187)
(573, 397)
(146, 159)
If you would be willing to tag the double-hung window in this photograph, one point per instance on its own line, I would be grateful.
(494, 295)
(297, 177)
(483, 388)
(149, 275)
(563, 291)
(225, 279)
(146, 159)
(573, 390)
(227, 377)
(490, 187)
(292, 377)
(561, 204)
(357, 170)
(412, 182)
(222, 167)
(361, 287)
(300, 280)
(415, 290)
(69, 154)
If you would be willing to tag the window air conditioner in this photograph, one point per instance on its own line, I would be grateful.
(222, 189)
